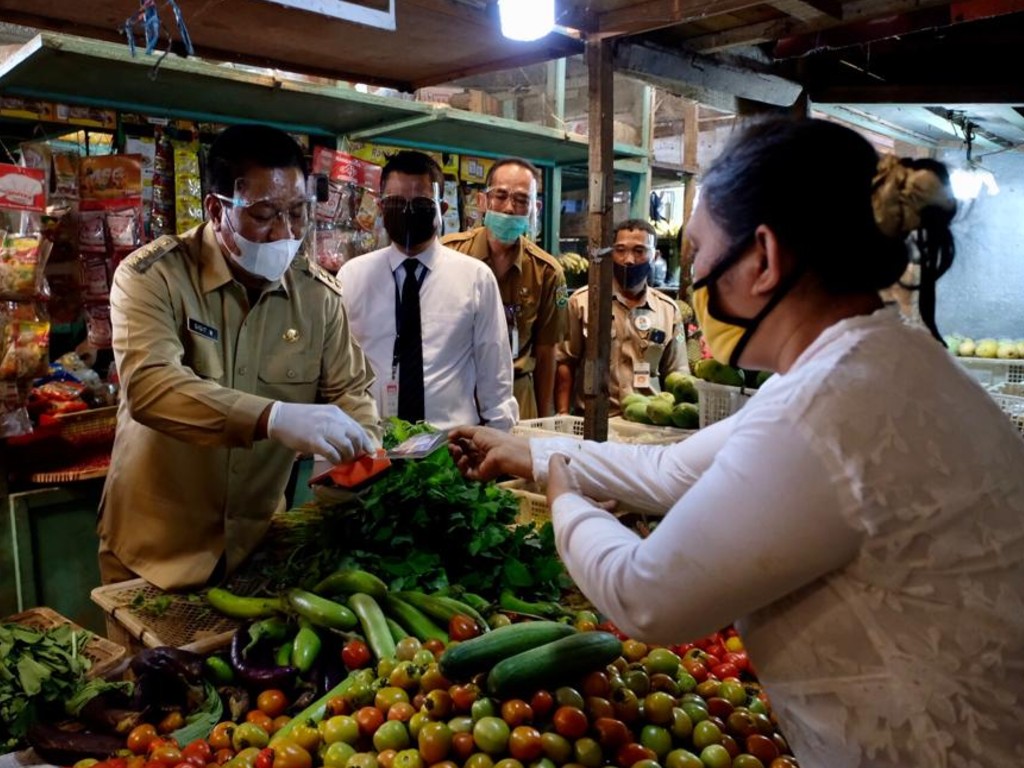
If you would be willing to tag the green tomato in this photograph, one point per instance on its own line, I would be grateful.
(746, 761)
(733, 692)
(490, 734)
(656, 739)
(706, 733)
(569, 697)
(696, 711)
(393, 734)
(337, 754)
(682, 725)
(681, 758)
(483, 707)
(543, 763)
(557, 748)
(362, 760)
(757, 706)
(687, 682)
(479, 759)
(406, 648)
(508, 762)
(416, 723)
(661, 660)
(249, 735)
(341, 728)
(588, 752)
(461, 724)
(658, 707)
(715, 756)
(408, 758)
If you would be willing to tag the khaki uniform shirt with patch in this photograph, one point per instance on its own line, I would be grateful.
(532, 290)
(187, 482)
(661, 344)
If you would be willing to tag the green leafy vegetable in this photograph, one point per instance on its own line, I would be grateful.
(38, 669)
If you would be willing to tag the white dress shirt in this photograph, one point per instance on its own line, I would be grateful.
(467, 364)
(863, 517)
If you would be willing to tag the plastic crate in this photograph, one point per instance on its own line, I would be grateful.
(104, 654)
(1013, 407)
(550, 426)
(533, 507)
(183, 620)
(622, 431)
(533, 504)
(994, 371)
(719, 401)
(619, 430)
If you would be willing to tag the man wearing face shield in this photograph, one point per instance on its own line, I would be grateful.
(447, 363)
(234, 354)
(648, 339)
(532, 283)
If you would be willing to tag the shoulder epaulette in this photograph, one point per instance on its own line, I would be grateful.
(458, 237)
(325, 277)
(148, 255)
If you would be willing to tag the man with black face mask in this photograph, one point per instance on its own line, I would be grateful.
(648, 338)
(429, 319)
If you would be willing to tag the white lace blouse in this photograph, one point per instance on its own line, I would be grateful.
(862, 519)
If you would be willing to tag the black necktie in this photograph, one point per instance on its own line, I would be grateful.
(410, 354)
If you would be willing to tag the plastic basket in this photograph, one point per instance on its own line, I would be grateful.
(550, 426)
(104, 654)
(719, 401)
(533, 507)
(1013, 407)
(619, 430)
(622, 431)
(146, 616)
(994, 371)
(91, 427)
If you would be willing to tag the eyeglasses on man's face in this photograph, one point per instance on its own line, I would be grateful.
(499, 197)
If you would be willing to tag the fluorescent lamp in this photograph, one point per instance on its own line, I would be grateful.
(968, 183)
(526, 19)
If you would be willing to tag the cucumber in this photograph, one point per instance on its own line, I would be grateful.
(320, 611)
(349, 580)
(481, 653)
(374, 624)
(238, 607)
(558, 661)
(441, 608)
(414, 621)
(397, 630)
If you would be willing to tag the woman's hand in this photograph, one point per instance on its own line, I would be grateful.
(483, 453)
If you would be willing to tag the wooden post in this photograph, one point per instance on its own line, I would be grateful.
(599, 231)
(691, 167)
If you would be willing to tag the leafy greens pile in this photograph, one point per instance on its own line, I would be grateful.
(37, 668)
(423, 526)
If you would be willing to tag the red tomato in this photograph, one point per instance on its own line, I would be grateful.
(369, 720)
(524, 744)
(200, 749)
(462, 627)
(570, 722)
(724, 670)
(737, 658)
(272, 702)
(265, 759)
(355, 654)
(542, 703)
(141, 737)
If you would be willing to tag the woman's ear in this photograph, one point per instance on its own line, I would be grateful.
(770, 263)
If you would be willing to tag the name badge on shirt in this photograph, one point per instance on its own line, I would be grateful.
(514, 339)
(641, 375)
(391, 398)
(203, 329)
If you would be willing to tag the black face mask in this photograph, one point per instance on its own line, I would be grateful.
(632, 276)
(409, 222)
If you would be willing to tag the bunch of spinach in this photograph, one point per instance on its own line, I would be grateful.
(423, 526)
(38, 668)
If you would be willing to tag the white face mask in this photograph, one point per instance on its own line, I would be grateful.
(266, 260)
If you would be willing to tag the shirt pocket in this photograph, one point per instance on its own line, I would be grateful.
(206, 361)
(293, 378)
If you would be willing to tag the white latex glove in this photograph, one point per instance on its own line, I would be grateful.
(320, 429)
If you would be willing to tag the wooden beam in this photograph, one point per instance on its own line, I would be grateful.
(637, 18)
(807, 10)
(676, 70)
(597, 356)
(774, 29)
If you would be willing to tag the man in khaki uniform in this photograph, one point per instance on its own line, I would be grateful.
(233, 356)
(532, 283)
(648, 337)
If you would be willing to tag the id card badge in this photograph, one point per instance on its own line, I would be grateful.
(514, 339)
(391, 398)
(641, 375)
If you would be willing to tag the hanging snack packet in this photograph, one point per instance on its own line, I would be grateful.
(22, 266)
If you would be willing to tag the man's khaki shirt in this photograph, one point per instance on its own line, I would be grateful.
(188, 483)
(658, 338)
(532, 290)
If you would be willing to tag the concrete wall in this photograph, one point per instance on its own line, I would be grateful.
(983, 292)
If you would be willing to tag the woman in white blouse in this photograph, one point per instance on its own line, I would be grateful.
(862, 518)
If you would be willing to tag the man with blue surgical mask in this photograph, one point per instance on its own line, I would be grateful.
(648, 337)
(234, 355)
(532, 283)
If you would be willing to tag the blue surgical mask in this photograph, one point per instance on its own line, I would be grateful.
(506, 227)
(632, 277)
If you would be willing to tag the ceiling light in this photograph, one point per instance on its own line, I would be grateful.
(967, 183)
(526, 19)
